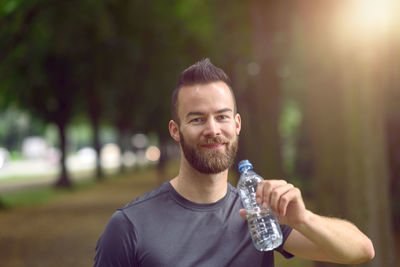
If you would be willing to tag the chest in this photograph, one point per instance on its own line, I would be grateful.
(196, 238)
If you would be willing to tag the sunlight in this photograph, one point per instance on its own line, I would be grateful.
(374, 14)
(367, 19)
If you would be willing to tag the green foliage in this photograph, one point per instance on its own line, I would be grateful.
(37, 196)
(15, 125)
(29, 198)
(115, 62)
(124, 54)
(290, 122)
(80, 135)
(6, 7)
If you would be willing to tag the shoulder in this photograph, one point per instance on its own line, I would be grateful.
(121, 221)
(117, 227)
(233, 189)
(139, 207)
(117, 242)
(233, 192)
(152, 195)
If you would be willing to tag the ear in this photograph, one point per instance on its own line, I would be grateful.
(238, 123)
(174, 130)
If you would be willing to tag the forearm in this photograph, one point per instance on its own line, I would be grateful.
(338, 239)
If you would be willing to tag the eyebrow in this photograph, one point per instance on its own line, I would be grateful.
(199, 113)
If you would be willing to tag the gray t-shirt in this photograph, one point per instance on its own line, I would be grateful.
(161, 228)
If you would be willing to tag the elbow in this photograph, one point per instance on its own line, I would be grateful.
(367, 252)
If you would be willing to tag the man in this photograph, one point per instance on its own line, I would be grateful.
(193, 220)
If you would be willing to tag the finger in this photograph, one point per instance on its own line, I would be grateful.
(242, 213)
(261, 187)
(276, 195)
(291, 195)
(264, 189)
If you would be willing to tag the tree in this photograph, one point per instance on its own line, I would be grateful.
(41, 65)
(346, 112)
(94, 66)
(262, 98)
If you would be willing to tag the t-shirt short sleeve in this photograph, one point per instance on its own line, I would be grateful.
(286, 230)
(116, 244)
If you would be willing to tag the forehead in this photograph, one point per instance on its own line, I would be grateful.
(204, 98)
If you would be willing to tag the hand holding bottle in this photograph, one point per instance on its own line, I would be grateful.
(264, 228)
(283, 199)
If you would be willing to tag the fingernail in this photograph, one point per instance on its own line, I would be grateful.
(258, 200)
(264, 206)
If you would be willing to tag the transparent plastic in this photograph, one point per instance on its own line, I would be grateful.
(263, 225)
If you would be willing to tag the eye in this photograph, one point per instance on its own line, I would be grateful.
(196, 120)
(222, 117)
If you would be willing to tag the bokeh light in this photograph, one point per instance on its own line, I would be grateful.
(110, 156)
(153, 153)
(367, 19)
(139, 140)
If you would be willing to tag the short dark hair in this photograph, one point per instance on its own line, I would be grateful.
(202, 72)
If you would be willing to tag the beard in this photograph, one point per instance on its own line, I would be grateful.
(210, 161)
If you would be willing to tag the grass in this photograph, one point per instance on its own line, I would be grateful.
(24, 177)
(28, 177)
(27, 198)
(39, 195)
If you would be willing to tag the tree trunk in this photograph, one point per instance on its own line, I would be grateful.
(392, 101)
(367, 160)
(124, 143)
(3, 206)
(121, 144)
(260, 136)
(346, 110)
(162, 163)
(63, 180)
(97, 148)
(349, 141)
(351, 157)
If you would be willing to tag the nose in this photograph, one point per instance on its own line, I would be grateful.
(212, 128)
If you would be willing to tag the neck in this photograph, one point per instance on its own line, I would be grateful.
(199, 187)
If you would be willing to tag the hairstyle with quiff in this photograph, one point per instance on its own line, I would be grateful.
(202, 72)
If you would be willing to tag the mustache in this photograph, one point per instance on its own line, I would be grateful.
(215, 140)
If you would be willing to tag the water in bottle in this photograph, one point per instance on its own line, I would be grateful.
(263, 225)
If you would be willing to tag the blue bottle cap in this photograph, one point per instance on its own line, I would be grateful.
(244, 163)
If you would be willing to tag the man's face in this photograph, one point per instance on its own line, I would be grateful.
(210, 160)
(209, 129)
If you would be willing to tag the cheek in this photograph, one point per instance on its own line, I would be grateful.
(231, 131)
(190, 135)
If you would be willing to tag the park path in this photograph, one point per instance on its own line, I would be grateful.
(64, 231)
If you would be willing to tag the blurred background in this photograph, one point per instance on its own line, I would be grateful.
(85, 92)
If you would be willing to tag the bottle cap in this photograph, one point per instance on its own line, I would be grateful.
(244, 164)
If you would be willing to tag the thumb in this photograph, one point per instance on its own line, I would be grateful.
(242, 213)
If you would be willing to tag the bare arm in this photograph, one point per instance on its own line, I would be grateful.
(313, 237)
(329, 239)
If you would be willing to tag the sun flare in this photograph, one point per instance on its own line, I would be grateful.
(367, 19)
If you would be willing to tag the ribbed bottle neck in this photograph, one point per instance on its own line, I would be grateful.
(246, 169)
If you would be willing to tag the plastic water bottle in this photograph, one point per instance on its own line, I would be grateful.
(263, 225)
